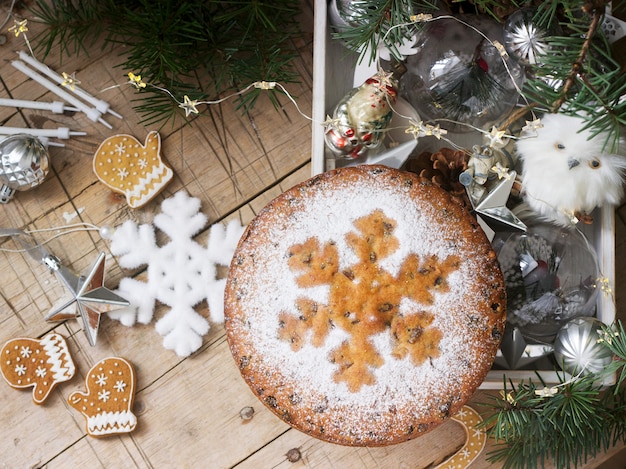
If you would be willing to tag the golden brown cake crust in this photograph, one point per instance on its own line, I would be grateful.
(364, 306)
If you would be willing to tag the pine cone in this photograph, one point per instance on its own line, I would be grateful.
(443, 169)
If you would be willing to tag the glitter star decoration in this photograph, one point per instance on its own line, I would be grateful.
(88, 293)
(19, 27)
(70, 81)
(189, 106)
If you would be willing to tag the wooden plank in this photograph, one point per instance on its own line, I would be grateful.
(423, 452)
(109, 452)
(199, 402)
(188, 408)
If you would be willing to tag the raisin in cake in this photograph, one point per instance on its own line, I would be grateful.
(364, 306)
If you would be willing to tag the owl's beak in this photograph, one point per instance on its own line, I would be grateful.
(572, 163)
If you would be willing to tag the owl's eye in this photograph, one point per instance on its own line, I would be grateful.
(559, 146)
(594, 164)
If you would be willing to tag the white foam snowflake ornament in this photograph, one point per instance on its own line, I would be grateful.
(181, 273)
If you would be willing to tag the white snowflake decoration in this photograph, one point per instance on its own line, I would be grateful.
(181, 273)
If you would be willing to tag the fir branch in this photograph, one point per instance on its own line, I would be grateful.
(614, 338)
(565, 424)
(376, 22)
(73, 25)
(577, 66)
(200, 48)
(579, 76)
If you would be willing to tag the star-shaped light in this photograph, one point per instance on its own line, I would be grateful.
(547, 392)
(532, 126)
(490, 207)
(265, 85)
(330, 122)
(89, 294)
(500, 171)
(421, 18)
(19, 27)
(419, 129)
(135, 80)
(385, 80)
(70, 81)
(189, 106)
(494, 138)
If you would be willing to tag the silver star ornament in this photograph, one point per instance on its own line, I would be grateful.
(489, 204)
(89, 294)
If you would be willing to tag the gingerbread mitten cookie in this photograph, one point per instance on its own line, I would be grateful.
(40, 363)
(126, 166)
(107, 403)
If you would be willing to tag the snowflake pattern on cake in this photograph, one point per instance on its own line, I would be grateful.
(181, 273)
(418, 279)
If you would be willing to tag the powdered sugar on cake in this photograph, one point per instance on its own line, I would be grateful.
(328, 213)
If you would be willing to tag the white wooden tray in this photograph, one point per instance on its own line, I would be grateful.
(333, 75)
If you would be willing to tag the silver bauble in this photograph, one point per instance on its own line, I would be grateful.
(23, 164)
(577, 350)
(524, 40)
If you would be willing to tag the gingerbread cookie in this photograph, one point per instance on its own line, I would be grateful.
(126, 166)
(40, 363)
(107, 403)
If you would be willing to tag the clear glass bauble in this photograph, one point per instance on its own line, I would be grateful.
(459, 75)
(550, 276)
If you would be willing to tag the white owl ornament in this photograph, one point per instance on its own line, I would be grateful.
(565, 173)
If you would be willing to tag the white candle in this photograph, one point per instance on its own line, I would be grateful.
(60, 132)
(100, 105)
(56, 107)
(91, 113)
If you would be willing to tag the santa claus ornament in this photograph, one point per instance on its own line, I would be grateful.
(361, 119)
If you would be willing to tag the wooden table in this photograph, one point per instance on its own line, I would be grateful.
(188, 409)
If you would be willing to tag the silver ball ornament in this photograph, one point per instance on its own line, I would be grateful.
(577, 349)
(524, 40)
(24, 164)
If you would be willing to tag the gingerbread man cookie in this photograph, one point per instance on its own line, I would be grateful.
(40, 363)
(107, 403)
(126, 166)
